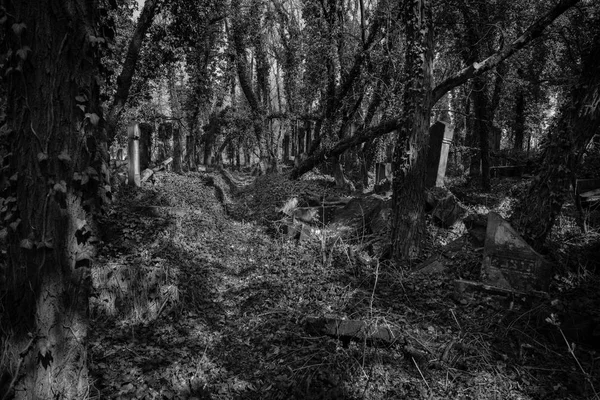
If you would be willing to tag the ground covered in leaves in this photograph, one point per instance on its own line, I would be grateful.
(198, 295)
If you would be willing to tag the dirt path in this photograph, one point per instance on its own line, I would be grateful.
(201, 303)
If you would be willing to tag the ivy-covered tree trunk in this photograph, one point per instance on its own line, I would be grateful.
(408, 224)
(55, 174)
(578, 122)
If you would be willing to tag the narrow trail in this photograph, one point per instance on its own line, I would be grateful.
(200, 302)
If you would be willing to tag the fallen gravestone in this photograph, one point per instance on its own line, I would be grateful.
(509, 262)
(354, 330)
(444, 206)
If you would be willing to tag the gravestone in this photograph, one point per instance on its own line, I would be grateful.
(286, 148)
(308, 125)
(509, 262)
(440, 137)
(145, 145)
(133, 133)
(383, 171)
(165, 136)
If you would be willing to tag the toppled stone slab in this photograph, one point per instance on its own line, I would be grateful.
(359, 209)
(476, 224)
(444, 206)
(354, 330)
(509, 262)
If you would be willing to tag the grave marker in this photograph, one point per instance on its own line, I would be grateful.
(509, 262)
(440, 137)
(133, 150)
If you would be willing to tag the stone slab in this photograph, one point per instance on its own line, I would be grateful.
(509, 262)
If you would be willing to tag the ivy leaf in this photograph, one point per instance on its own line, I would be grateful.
(19, 28)
(26, 244)
(94, 118)
(23, 52)
(60, 187)
(42, 156)
(81, 98)
(15, 224)
(64, 157)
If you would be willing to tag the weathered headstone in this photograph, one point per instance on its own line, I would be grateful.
(134, 155)
(444, 206)
(309, 131)
(509, 262)
(145, 145)
(286, 148)
(383, 171)
(440, 137)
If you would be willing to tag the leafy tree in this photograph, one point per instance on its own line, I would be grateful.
(572, 130)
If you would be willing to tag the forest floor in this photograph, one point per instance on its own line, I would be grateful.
(198, 295)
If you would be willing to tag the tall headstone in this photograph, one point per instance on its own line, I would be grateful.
(383, 171)
(145, 145)
(301, 134)
(286, 148)
(133, 149)
(308, 125)
(440, 137)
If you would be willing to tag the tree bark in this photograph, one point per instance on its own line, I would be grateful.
(408, 198)
(56, 177)
(519, 120)
(577, 123)
(125, 78)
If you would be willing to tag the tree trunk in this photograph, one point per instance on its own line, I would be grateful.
(408, 224)
(519, 120)
(577, 123)
(125, 78)
(481, 128)
(177, 151)
(56, 175)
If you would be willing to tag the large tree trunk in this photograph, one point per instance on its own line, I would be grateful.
(577, 123)
(408, 224)
(55, 176)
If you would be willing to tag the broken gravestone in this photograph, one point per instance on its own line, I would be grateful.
(509, 262)
(443, 206)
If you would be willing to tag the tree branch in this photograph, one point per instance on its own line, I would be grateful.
(476, 69)
(125, 78)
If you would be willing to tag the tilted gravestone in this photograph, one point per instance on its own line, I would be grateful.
(440, 137)
(134, 154)
(509, 262)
